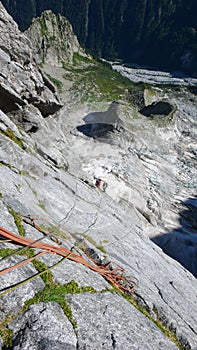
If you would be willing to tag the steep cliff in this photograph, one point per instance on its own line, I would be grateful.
(21, 81)
(55, 294)
(149, 32)
(53, 39)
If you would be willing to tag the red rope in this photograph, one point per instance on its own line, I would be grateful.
(114, 275)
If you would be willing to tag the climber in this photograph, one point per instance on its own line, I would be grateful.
(98, 182)
(102, 185)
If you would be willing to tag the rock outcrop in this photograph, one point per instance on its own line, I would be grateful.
(47, 195)
(53, 39)
(21, 81)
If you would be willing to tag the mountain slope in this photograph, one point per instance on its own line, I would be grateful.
(160, 33)
(48, 193)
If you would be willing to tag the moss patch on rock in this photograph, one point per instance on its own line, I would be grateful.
(55, 292)
(18, 221)
(9, 133)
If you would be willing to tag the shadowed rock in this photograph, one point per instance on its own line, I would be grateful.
(157, 108)
(100, 124)
(110, 116)
(181, 243)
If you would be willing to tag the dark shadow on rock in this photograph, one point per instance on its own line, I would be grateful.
(161, 108)
(103, 125)
(9, 100)
(96, 130)
(181, 244)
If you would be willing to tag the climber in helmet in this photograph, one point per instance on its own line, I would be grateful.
(102, 185)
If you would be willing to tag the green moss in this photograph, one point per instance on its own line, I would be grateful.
(42, 206)
(6, 252)
(5, 164)
(7, 336)
(101, 248)
(40, 266)
(1, 195)
(77, 59)
(93, 80)
(43, 26)
(54, 230)
(28, 252)
(35, 193)
(93, 242)
(56, 82)
(20, 172)
(18, 221)
(9, 133)
(73, 288)
(55, 292)
(23, 172)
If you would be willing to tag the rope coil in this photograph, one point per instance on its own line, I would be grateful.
(111, 271)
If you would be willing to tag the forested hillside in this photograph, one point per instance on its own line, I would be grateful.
(160, 33)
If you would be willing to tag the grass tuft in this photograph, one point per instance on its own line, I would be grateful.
(18, 221)
(9, 133)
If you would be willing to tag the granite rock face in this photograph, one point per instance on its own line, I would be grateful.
(21, 81)
(33, 330)
(115, 327)
(53, 39)
(47, 170)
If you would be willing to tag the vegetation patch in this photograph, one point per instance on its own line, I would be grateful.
(55, 230)
(79, 59)
(42, 206)
(9, 133)
(18, 221)
(93, 242)
(6, 164)
(56, 82)
(136, 94)
(6, 334)
(55, 292)
(94, 80)
(43, 26)
(28, 252)
(6, 252)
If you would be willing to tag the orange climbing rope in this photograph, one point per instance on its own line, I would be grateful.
(22, 263)
(115, 275)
